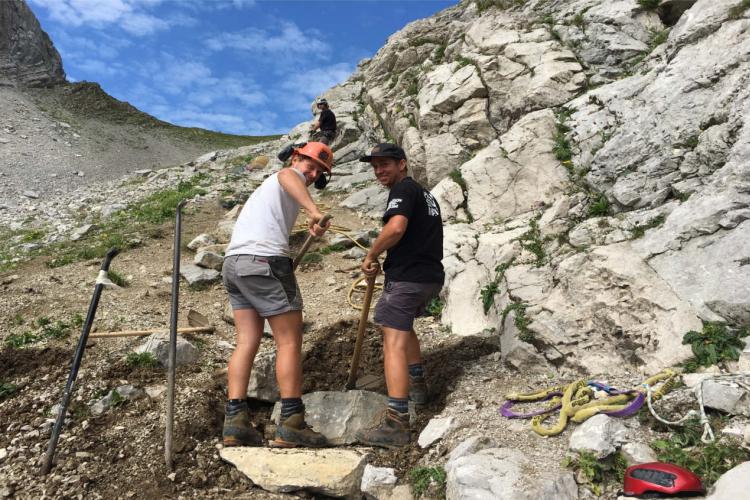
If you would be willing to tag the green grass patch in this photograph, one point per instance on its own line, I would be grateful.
(658, 37)
(140, 360)
(709, 461)
(413, 88)
(117, 278)
(483, 5)
(33, 235)
(715, 343)
(640, 229)
(465, 61)
(578, 20)
(649, 4)
(422, 478)
(439, 54)
(162, 206)
(7, 390)
(17, 340)
(312, 258)
(17, 320)
(739, 10)
(458, 178)
(338, 247)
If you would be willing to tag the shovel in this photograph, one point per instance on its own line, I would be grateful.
(352, 382)
(198, 324)
(308, 241)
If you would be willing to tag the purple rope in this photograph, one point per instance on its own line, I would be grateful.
(505, 409)
(631, 409)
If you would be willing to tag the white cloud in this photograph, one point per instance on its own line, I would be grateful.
(132, 16)
(288, 41)
(299, 88)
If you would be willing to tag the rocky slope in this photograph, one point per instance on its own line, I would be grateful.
(591, 159)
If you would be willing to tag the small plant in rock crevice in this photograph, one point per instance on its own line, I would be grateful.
(520, 320)
(715, 343)
(599, 206)
(533, 242)
(597, 474)
(435, 307)
(488, 292)
(640, 229)
(421, 478)
(117, 278)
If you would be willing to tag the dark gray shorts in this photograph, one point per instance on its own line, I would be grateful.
(266, 284)
(402, 301)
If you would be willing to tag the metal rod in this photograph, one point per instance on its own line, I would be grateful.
(168, 450)
(77, 357)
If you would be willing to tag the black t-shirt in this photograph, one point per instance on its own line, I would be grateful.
(327, 120)
(417, 256)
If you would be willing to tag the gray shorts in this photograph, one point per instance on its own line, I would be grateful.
(402, 301)
(266, 284)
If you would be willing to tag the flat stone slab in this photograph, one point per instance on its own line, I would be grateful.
(330, 471)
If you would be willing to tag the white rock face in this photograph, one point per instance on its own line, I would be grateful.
(329, 471)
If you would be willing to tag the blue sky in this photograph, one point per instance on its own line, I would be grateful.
(238, 66)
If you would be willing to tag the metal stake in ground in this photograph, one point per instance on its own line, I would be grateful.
(352, 382)
(173, 337)
(101, 280)
(308, 241)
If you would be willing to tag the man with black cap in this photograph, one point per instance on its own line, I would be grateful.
(413, 237)
(326, 123)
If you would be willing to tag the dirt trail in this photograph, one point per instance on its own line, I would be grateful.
(119, 454)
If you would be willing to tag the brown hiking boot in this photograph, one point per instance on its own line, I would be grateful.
(392, 433)
(418, 391)
(238, 431)
(294, 431)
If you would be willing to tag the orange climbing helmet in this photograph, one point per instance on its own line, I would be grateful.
(319, 152)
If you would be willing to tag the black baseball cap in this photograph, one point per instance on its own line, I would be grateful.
(385, 150)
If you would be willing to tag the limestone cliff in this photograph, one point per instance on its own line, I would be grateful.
(27, 56)
(592, 159)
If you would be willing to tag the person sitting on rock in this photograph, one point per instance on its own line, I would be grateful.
(413, 237)
(326, 123)
(259, 279)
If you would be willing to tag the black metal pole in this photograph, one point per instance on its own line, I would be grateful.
(173, 337)
(77, 357)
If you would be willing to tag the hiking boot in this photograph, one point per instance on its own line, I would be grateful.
(418, 391)
(294, 431)
(392, 433)
(238, 431)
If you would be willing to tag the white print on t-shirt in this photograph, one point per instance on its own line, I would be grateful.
(432, 209)
(393, 203)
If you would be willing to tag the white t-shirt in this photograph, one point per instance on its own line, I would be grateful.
(265, 221)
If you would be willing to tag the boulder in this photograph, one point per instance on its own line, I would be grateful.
(262, 383)
(600, 434)
(198, 276)
(732, 485)
(638, 453)
(329, 472)
(435, 430)
(202, 240)
(209, 260)
(158, 345)
(115, 397)
(339, 415)
(378, 482)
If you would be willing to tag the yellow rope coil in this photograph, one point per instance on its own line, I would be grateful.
(578, 403)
